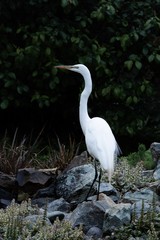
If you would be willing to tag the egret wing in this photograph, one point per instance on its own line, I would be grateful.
(101, 143)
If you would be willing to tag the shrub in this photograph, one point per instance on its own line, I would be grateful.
(14, 226)
(142, 155)
(118, 41)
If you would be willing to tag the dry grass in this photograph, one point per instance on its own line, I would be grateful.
(16, 155)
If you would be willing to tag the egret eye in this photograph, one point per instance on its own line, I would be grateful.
(74, 67)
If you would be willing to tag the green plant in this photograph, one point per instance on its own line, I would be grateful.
(142, 155)
(128, 177)
(14, 226)
(146, 226)
(123, 56)
(152, 233)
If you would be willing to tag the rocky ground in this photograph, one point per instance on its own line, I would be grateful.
(64, 194)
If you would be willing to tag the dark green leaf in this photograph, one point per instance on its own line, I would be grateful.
(12, 75)
(151, 58)
(138, 65)
(158, 57)
(128, 64)
(4, 104)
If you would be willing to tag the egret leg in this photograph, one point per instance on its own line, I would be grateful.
(99, 181)
(95, 177)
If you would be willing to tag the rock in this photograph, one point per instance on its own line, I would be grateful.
(156, 174)
(52, 216)
(94, 233)
(82, 159)
(140, 206)
(88, 214)
(158, 190)
(59, 205)
(63, 198)
(103, 200)
(145, 194)
(7, 182)
(74, 184)
(32, 220)
(8, 189)
(155, 151)
(42, 202)
(5, 198)
(5, 194)
(31, 179)
(48, 192)
(116, 217)
(4, 203)
(110, 191)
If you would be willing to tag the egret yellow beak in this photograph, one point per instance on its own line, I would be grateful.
(63, 67)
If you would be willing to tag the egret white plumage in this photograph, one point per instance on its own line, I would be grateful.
(100, 141)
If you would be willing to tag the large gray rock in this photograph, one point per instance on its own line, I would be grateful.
(116, 217)
(145, 194)
(88, 214)
(74, 184)
(30, 179)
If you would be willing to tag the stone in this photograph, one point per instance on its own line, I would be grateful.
(52, 216)
(46, 192)
(74, 184)
(79, 160)
(158, 190)
(31, 220)
(156, 174)
(4, 203)
(94, 233)
(7, 181)
(145, 194)
(59, 205)
(137, 208)
(116, 217)
(42, 202)
(155, 151)
(88, 214)
(5, 198)
(103, 200)
(31, 179)
(110, 191)
(5, 194)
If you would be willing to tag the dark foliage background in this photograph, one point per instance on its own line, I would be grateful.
(118, 40)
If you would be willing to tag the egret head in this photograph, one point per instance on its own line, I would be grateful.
(80, 68)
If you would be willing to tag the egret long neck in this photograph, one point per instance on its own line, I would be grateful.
(83, 109)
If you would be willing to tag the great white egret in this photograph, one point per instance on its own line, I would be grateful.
(100, 141)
